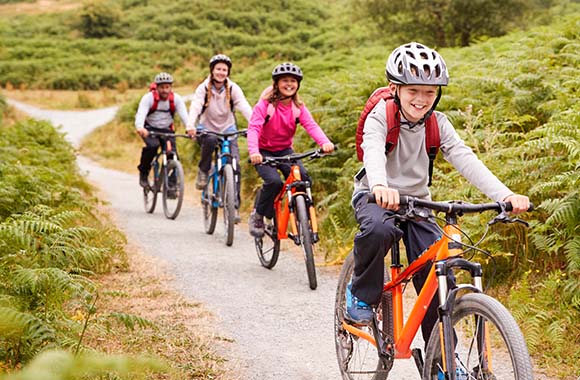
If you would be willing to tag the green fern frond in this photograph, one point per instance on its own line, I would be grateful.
(130, 321)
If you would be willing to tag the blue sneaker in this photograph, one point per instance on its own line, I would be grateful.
(357, 311)
(460, 372)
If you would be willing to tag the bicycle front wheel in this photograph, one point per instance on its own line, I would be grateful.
(209, 199)
(357, 358)
(268, 246)
(489, 343)
(173, 188)
(229, 200)
(305, 234)
(150, 192)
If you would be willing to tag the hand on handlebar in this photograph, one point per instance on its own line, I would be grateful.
(520, 203)
(142, 132)
(328, 147)
(256, 158)
(386, 197)
(191, 132)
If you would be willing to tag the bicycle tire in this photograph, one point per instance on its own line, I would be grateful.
(510, 359)
(357, 358)
(229, 202)
(305, 234)
(210, 211)
(150, 192)
(268, 246)
(172, 205)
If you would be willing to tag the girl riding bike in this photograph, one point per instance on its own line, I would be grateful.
(270, 133)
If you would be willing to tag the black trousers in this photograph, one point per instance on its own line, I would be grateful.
(371, 244)
(208, 143)
(272, 181)
(151, 146)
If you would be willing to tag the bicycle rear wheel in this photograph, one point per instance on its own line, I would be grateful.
(357, 358)
(209, 198)
(489, 345)
(150, 192)
(173, 189)
(305, 234)
(229, 200)
(268, 246)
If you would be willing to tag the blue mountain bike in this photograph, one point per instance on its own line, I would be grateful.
(221, 190)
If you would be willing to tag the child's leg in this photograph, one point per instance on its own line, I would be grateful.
(271, 187)
(371, 244)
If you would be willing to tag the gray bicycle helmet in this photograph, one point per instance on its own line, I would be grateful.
(163, 78)
(287, 68)
(220, 58)
(414, 63)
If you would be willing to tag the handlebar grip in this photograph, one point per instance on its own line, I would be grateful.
(403, 199)
(509, 207)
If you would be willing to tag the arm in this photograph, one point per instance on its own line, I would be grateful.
(144, 107)
(313, 129)
(181, 109)
(240, 102)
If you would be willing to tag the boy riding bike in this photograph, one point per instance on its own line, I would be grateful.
(270, 133)
(416, 75)
(156, 113)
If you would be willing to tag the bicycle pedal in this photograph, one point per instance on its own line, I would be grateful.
(295, 239)
(315, 237)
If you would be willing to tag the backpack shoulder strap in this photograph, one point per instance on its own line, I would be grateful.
(432, 141)
(393, 125)
(296, 113)
(153, 90)
(269, 112)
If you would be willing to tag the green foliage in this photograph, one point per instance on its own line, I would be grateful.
(100, 19)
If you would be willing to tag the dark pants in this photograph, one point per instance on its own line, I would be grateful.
(371, 245)
(208, 144)
(151, 146)
(272, 181)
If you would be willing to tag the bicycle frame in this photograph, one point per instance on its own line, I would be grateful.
(403, 333)
(285, 209)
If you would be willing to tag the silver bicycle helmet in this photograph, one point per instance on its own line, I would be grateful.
(287, 68)
(163, 78)
(414, 63)
(220, 58)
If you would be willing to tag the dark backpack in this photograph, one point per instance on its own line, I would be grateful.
(206, 98)
(432, 139)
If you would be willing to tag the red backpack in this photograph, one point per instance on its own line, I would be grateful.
(153, 89)
(432, 139)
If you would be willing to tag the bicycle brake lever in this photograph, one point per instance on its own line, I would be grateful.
(504, 218)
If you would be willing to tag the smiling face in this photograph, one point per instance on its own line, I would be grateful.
(220, 72)
(287, 85)
(416, 100)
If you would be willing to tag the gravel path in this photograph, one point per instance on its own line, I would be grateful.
(279, 327)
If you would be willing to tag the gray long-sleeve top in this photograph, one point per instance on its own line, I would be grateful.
(161, 118)
(406, 167)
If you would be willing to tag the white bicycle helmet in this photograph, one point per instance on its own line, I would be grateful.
(414, 63)
(287, 68)
(220, 58)
(163, 78)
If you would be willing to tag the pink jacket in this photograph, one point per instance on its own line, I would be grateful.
(281, 128)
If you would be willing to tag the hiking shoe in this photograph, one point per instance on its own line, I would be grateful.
(460, 372)
(143, 182)
(256, 223)
(237, 218)
(357, 311)
(201, 181)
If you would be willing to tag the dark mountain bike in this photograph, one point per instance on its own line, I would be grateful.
(221, 190)
(165, 177)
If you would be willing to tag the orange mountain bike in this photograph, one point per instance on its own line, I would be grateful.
(294, 209)
(475, 338)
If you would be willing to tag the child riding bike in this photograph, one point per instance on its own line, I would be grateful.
(270, 133)
(416, 75)
(213, 106)
(156, 113)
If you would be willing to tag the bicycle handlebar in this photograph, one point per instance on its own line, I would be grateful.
(163, 134)
(293, 158)
(452, 207)
(242, 132)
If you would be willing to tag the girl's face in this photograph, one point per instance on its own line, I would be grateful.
(287, 85)
(416, 100)
(220, 72)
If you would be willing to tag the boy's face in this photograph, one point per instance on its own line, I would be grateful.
(416, 100)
